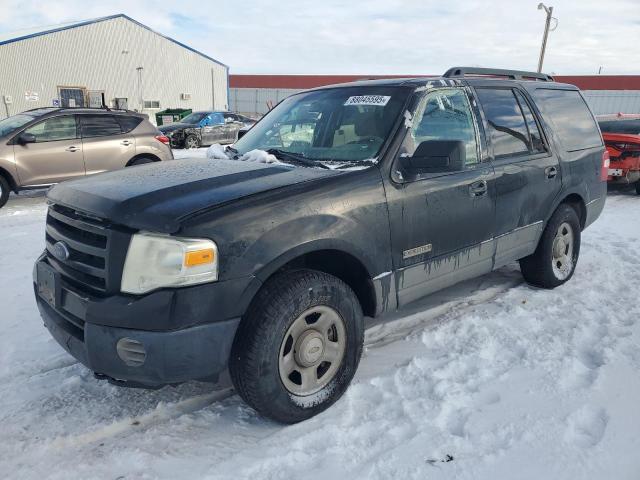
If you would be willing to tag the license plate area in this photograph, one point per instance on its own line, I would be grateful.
(48, 284)
(615, 172)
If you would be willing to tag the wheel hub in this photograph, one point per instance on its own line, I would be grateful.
(309, 348)
(312, 350)
(559, 248)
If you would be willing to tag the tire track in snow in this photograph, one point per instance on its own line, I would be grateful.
(377, 336)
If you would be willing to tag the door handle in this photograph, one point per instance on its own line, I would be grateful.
(126, 143)
(72, 148)
(479, 188)
(551, 172)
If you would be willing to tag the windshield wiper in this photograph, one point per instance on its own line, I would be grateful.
(353, 163)
(231, 149)
(294, 158)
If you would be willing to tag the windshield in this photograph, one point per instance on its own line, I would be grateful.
(194, 118)
(631, 127)
(10, 124)
(348, 124)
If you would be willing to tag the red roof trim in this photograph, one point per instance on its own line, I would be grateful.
(584, 82)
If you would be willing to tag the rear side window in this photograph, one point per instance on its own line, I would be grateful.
(99, 126)
(507, 127)
(128, 123)
(570, 116)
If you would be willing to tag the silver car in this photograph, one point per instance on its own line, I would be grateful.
(49, 145)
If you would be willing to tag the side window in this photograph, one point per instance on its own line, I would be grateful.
(128, 123)
(54, 128)
(536, 142)
(444, 115)
(507, 128)
(99, 126)
(572, 119)
(216, 119)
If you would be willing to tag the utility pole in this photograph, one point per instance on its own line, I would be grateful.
(140, 94)
(549, 11)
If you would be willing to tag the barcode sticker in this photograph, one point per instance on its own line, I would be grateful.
(378, 100)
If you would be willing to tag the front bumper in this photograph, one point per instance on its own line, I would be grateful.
(169, 324)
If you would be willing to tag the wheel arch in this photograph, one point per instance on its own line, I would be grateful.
(577, 202)
(328, 257)
(153, 157)
(9, 178)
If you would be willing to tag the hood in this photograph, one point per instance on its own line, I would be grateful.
(176, 126)
(158, 196)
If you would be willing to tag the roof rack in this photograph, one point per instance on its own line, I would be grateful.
(497, 72)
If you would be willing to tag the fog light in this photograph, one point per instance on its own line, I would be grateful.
(131, 352)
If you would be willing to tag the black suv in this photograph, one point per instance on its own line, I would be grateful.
(362, 198)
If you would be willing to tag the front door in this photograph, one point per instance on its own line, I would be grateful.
(442, 222)
(528, 176)
(56, 154)
(105, 146)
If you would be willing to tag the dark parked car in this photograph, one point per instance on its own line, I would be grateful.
(206, 128)
(386, 191)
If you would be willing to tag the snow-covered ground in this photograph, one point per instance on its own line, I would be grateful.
(491, 379)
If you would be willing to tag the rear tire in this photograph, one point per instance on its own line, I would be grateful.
(141, 161)
(638, 187)
(5, 189)
(299, 345)
(554, 261)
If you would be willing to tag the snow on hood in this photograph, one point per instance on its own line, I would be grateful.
(218, 152)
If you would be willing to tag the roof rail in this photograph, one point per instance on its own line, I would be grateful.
(497, 72)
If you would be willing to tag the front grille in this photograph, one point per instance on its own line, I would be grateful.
(96, 250)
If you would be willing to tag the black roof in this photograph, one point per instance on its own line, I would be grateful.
(460, 76)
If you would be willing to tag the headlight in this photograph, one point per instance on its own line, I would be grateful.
(157, 261)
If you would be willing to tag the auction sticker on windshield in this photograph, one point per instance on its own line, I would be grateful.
(379, 100)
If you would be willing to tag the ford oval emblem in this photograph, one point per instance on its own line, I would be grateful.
(60, 251)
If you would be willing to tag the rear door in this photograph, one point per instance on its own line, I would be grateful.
(104, 144)
(528, 176)
(442, 222)
(214, 129)
(56, 154)
(578, 138)
(233, 125)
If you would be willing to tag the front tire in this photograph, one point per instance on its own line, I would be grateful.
(5, 189)
(299, 345)
(191, 141)
(554, 261)
(638, 187)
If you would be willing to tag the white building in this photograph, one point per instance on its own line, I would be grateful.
(113, 58)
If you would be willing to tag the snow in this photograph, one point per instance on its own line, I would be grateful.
(490, 379)
(217, 152)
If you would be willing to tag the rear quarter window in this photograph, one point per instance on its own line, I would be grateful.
(571, 118)
(128, 123)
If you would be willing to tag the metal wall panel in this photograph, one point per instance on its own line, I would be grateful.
(253, 101)
(104, 56)
(613, 101)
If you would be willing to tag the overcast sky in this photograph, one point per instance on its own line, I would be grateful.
(374, 36)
